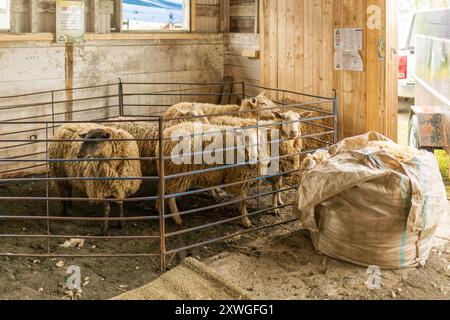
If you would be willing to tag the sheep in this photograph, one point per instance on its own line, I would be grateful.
(189, 133)
(176, 113)
(95, 146)
(147, 134)
(290, 144)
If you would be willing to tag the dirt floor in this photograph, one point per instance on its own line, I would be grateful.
(277, 263)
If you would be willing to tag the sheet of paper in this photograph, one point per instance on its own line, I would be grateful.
(348, 61)
(348, 39)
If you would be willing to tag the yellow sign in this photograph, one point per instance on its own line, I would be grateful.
(69, 21)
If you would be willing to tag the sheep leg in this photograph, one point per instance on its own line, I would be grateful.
(243, 209)
(66, 192)
(218, 194)
(106, 210)
(274, 183)
(123, 223)
(174, 210)
(280, 186)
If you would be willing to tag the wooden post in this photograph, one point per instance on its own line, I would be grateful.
(193, 15)
(256, 16)
(95, 4)
(118, 15)
(224, 16)
(33, 16)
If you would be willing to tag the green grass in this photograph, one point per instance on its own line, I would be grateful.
(443, 160)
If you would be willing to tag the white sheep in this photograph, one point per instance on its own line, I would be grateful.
(101, 142)
(247, 109)
(189, 134)
(289, 128)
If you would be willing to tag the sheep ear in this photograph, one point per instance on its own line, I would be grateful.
(262, 94)
(279, 115)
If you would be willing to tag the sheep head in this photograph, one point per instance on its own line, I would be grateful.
(291, 126)
(194, 111)
(260, 103)
(96, 144)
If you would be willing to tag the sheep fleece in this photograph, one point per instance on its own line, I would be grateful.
(116, 189)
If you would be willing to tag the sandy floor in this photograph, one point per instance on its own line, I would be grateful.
(285, 265)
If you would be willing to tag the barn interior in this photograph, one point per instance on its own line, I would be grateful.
(223, 52)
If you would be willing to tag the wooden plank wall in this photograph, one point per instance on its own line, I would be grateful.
(297, 53)
(238, 66)
(207, 17)
(244, 16)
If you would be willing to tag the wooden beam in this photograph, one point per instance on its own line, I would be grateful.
(94, 9)
(242, 11)
(33, 21)
(207, 11)
(253, 54)
(193, 14)
(25, 37)
(225, 16)
(256, 16)
(118, 15)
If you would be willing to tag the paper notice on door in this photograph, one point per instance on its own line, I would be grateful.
(348, 61)
(348, 39)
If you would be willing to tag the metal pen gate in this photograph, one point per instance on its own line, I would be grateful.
(28, 123)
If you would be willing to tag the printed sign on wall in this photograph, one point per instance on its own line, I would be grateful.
(347, 43)
(69, 21)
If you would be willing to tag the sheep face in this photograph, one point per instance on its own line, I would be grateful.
(291, 124)
(260, 103)
(95, 149)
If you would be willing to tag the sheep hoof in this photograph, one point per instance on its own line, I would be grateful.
(124, 225)
(178, 221)
(246, 223)
(277, 213)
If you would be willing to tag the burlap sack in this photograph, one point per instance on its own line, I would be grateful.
(366, 207)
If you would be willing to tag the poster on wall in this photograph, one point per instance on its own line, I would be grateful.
(69, 21)
(347, 43)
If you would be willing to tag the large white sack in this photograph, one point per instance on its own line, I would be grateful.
(364, 206)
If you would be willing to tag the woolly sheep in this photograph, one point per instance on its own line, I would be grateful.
(145, 132)
(189, 132)
(176, 113)
(92, 149)
(290, 144)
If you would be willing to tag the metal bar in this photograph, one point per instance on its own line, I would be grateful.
(10, 107)
(161, 199)
(288, 91)
(230, 236)
(59, 90)
(225, 204)
(336, 116)
(80, 199)
(87, 237)
(120, 98)
(79, 219)
(57, 255)
(47, 203)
